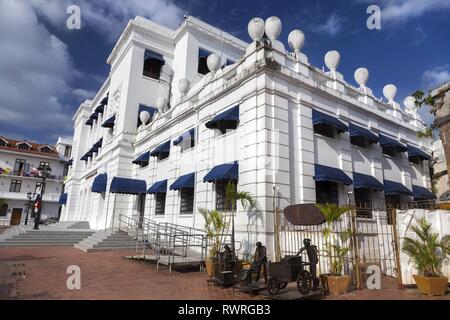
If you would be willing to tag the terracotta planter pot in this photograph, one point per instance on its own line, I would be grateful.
(338, 285)
(432, 286)
(210, 266)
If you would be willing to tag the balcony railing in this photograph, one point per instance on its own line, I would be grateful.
(29, 175)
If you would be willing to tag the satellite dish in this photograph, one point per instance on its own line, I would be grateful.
(304, 215)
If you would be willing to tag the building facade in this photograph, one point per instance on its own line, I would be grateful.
(185, 111)
(19, 181)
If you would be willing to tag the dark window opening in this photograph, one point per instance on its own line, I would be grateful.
(45, 149)
(152, 68)
(187, 201)
(65, 171)
(163, 155)
(16, 185)
(392, 202)
(360, 141)
(363, 202)
(20, 167)
(3, 143)
(202, 62)
(4, 210)
(327, 192)
(223, 126)
(415, 160)
(390, 151)
(67, 151)
(23, 146)
(221, 194)
(160, 209)
(324, 130)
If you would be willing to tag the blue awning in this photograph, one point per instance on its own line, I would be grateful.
(392, 187)
(416, 152)
(164, 148)
(158, 187)
(142, 159)
(150, 110)
(228, 171)
(390, 142)
(105, 100)
(361, 181)
(421, 193)
(89, 122)
(189, 135)
(94, 116)
(324, 173)
(110, 122)
(69, 163)
(231, 115)
(186, 181)
(99, 143)
(128, 186)
(63, 199)
(151, 55)
(100, 109)
(202, 53)
(99, 184)
(356, 131)
(322, 118)
(84, 158)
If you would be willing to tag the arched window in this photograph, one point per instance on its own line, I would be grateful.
(4, 210)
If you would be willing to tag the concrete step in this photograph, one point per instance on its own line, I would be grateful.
(33, 244)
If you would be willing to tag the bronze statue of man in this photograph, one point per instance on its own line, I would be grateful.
(260, 261)
(313, 259)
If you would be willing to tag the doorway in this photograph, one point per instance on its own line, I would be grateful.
(16, 217)
(141, 209)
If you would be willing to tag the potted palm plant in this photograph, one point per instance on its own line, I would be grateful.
(336, 249)
(427, 254)
(215, 225)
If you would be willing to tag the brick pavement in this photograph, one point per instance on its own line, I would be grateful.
(107, 276)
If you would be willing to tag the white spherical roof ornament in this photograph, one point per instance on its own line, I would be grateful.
(332, 60)
(144, 117)
(410, 104)
(161, 104)
(296, 40)
(256, 29)
(184, 86)
(273, 28)
(361, 76)
(390, 91)
(213, 63)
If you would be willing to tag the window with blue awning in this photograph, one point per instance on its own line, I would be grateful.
(158, 187)
(99, 143)
(128, 186)
(422, 193)
(151, 55)
(161, 151)
(151, 110)
(364, 181)
(186, 137)
(63, 199)
(143, 159)
(100, 109)
(392, 187)
(104, 102)
(357, 131)
(99, 184)
(69, 163)
(325, 173)
(227, 171)
(319, 118)
(225, 120)
(388, 142)
(109, 123)
(89, 122)
(414, 152)
(184, 182)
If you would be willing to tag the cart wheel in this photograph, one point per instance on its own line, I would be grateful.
(273, 287)
(283, 285)
(304, 282)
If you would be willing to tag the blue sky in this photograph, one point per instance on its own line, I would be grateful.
(46, 70)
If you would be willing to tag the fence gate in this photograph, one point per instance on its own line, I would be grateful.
(372, 244)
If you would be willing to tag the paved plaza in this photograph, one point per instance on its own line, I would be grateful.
(40, 273)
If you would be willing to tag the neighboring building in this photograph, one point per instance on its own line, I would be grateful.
(441, 110)
(19, 161)
(440, 172)
(267, 119)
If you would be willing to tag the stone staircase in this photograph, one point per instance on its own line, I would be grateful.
(59, 234)
(102, 240)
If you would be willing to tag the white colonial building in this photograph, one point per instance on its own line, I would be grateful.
(184, 111)
(19, 181)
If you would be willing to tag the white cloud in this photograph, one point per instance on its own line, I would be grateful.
(436, 76)
(34, 71)
(332, 26)
(110, 17)
(400, 11)
(84, 94)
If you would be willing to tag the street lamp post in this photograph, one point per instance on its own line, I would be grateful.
(44, 173)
